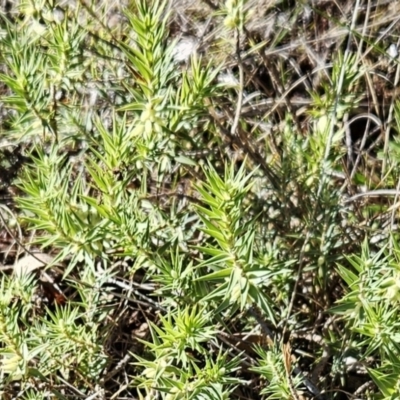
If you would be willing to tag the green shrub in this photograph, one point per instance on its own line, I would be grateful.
(201, 247)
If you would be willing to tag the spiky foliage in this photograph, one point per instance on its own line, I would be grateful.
(203, 205)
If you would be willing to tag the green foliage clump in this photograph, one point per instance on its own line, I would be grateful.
(198, 245)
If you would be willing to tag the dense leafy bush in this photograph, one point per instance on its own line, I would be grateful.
(193, 228)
